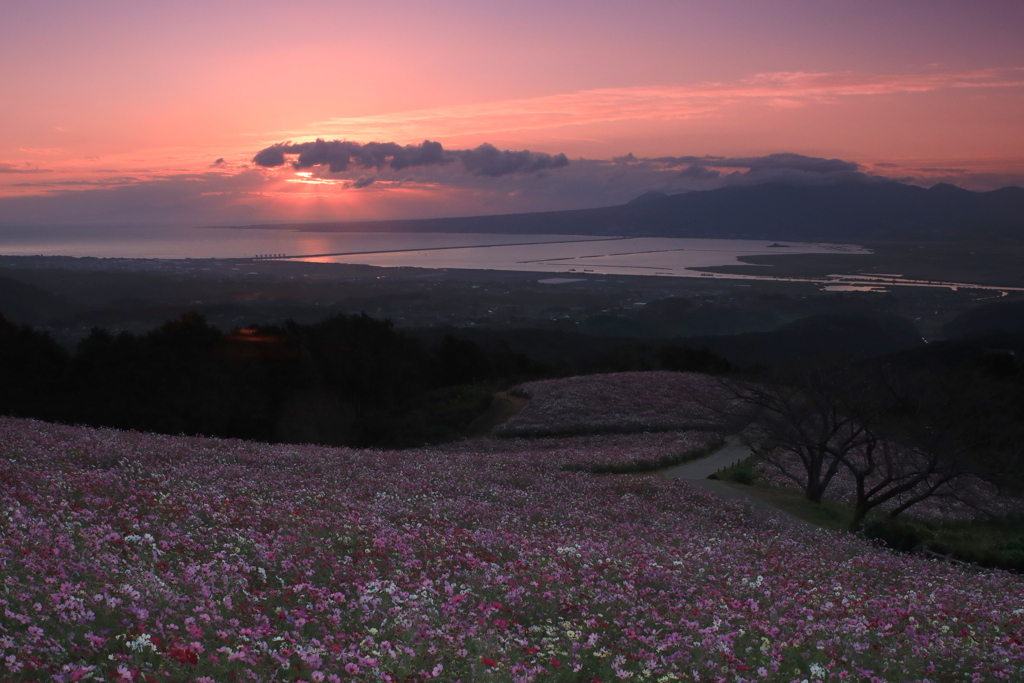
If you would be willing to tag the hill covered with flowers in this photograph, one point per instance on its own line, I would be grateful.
(617, 402)
(137, 557)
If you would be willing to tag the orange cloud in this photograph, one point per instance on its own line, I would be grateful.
(679, 102)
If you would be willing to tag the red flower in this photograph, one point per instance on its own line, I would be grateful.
(184, 655)
(555, 663)
(488, 661)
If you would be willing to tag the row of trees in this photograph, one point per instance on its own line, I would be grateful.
(899, 434)
(346, 380)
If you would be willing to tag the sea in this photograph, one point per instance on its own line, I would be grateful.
(571, 254)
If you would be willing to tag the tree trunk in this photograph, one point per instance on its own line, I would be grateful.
(859, 513)
(814, 491)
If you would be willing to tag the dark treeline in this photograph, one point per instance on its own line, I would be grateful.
(346, 380)
(355, 380)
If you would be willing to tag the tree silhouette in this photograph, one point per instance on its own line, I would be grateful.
(900, 436)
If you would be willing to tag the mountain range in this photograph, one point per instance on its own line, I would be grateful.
(882, 211)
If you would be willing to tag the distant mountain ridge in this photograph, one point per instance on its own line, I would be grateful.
(885, 211)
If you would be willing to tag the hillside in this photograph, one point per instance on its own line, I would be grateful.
(131, 556)
(26, 304)
(849, 212)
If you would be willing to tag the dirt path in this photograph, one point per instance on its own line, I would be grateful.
(503, 406)
(733, 451)
(698, 471)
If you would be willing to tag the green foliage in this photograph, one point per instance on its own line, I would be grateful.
(827, 514)
(995, 543)
(899, 533)
(744, 472)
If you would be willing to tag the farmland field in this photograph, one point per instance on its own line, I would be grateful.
(137, 557)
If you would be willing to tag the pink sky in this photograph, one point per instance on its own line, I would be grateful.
(117, 111)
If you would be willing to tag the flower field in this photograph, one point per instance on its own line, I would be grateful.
(139, 557)
(616, 402)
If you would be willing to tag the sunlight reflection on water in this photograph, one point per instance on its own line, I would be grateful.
(179, 243)
(600, 256)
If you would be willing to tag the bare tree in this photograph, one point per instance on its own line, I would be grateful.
(939, 429)
(884, 471)
(899, 439)
(806, 415)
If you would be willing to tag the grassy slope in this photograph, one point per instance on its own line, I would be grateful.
(995, 543)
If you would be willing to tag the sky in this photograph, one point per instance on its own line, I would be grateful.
(208, 113)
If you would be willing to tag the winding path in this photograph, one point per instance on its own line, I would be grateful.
(698, 471)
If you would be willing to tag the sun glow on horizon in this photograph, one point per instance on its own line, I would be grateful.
(144, 108)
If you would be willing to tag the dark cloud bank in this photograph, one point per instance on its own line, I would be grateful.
(771, 162)
(229, 193)
(341, 155)
(786, 167)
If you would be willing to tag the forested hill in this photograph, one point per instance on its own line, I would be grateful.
(850, 212)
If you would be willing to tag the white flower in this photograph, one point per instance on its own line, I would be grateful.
(143, 642)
